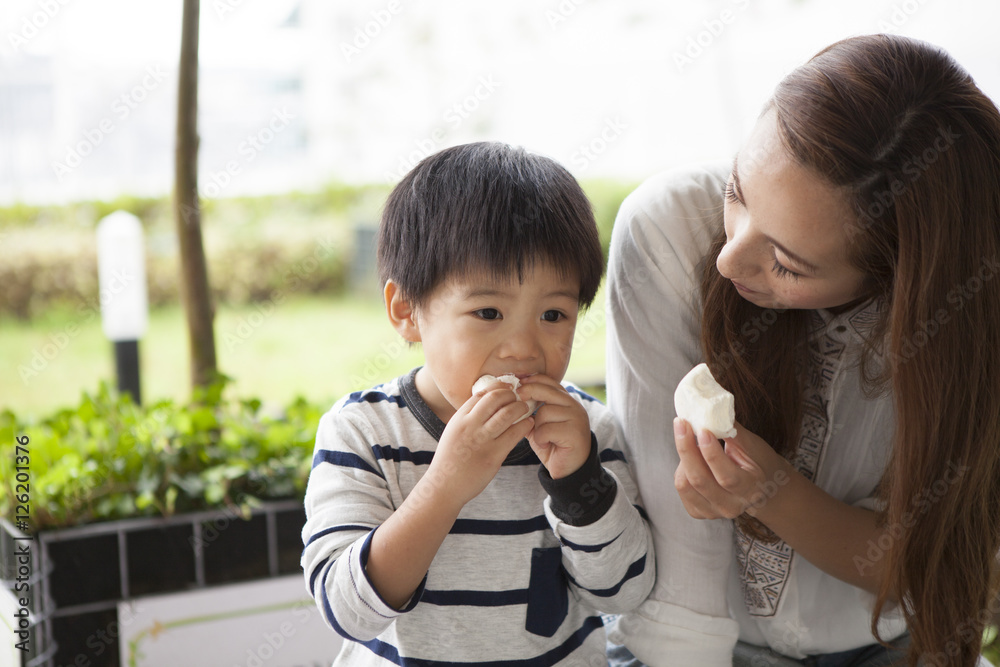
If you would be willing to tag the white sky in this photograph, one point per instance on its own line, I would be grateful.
(566, 71)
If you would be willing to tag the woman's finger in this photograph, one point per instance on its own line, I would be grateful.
(695, 505)
(712, 499)
(727, 472)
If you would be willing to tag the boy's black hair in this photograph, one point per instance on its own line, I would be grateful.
(486, 207)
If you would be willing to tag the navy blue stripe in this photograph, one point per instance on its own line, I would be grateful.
(582, 394)
(335, 529)
(527, 459)
(553, 657)
(389, 453)
(634, 570)
(369, 396)
(343, 459)
(475, 598)
(588, 548)
(490, 527)
(328, 612)
(315, 573)
(607, 455)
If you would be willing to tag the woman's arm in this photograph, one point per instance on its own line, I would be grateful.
(749, 476)
(661, 233)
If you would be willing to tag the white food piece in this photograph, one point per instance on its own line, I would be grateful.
(485, 381)
(705, 404)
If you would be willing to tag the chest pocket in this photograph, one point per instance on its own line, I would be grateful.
(548, 592)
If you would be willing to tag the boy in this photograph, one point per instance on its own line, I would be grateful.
(441, 527)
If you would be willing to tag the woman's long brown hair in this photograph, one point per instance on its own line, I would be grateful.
(903, 131)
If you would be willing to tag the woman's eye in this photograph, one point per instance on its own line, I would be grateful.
(488, 314)
(730, 192)
(782, 272)
(552, 315)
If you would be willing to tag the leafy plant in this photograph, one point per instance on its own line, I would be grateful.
(991, 644)
(109, 459)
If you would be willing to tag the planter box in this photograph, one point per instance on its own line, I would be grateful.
(81, 574)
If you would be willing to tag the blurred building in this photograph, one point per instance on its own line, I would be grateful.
(296, 93)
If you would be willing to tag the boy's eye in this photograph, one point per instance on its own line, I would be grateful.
(488, 313)
(552, 316)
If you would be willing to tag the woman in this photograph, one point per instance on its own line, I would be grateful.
(839, 280)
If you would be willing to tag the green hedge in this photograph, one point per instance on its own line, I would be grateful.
(107, 458)
(294, 243)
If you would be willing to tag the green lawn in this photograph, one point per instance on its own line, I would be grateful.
(314, 347)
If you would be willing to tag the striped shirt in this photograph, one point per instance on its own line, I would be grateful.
(522, 575)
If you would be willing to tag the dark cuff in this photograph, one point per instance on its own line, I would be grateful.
(584, 496)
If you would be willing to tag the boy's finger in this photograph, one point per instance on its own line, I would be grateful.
(504, 417)
(550, 413)
(492, 399)
(544, 393)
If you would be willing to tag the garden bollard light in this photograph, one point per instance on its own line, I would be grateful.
(121, 272)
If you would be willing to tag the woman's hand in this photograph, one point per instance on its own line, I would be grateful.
(748, 476)
(717, 483)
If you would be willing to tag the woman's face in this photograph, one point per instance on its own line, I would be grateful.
(786, 230)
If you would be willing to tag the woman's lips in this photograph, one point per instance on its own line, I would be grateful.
(742, 288)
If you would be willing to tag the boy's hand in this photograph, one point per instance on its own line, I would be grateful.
(476, 441)
(561, 437)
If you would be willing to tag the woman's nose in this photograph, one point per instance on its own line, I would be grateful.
(735, 260)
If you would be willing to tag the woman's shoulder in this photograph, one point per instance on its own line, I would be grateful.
(669, 222)
(680, 207)
(688, 192)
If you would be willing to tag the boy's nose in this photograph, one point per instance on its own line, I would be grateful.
(520, 345)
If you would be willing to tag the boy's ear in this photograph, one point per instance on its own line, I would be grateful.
(401, 312)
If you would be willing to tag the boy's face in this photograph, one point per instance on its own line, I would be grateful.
(472, 326)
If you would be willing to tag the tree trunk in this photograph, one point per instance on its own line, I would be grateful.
(195, 292)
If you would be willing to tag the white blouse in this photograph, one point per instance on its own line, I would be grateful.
(715, 584)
